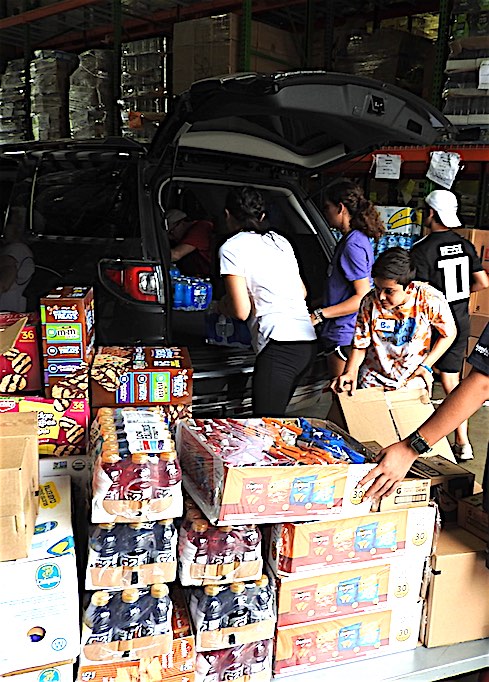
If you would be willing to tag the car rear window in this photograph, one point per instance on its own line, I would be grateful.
(91, 194)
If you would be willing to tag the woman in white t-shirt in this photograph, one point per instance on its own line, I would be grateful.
(264, 287)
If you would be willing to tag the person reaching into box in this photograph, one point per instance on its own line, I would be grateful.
(391, 345)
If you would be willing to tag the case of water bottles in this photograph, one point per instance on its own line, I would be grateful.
(136, 473)
(133, 620)
(226, 331)
(212, 555)
(131, 555)
(231, 615)
(190, 293)
(269, 470)
(247, 663)
(162, 656)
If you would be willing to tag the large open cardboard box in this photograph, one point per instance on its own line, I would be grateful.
(373, 415)
(19, 483)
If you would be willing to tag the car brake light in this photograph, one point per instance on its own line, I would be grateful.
(141, 283)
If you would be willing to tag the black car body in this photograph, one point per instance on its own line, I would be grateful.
(96, 209)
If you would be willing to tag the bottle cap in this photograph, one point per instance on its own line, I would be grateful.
(100, 598)
(200, 526)
(212, 590)
(109, 457)
(106, 526)
(237, 588)
(165, 522)
(130, 596)
(137, 525)
(140, 458)
(193, 515)
(159, 590)
(225, 529)
(168, 455)
(105, 411)
(262, 582)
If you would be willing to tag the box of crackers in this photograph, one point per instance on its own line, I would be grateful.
(19, 353)
(68, 340)
(62, 424)
(141, 376)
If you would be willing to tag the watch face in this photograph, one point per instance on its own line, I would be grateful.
(419, 445)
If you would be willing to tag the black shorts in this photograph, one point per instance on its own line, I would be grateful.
(453, 359)
(341, 352)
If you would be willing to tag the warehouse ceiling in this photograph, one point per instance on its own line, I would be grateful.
(76, 25)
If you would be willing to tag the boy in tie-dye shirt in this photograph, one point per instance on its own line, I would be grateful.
(392, 342)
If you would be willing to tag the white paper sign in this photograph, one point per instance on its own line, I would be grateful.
(484, 74)
(443, 168)
(388, 166)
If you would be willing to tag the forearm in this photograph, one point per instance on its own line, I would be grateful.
(466, 399)
(440, 347)
(351, 305)
(357, 356)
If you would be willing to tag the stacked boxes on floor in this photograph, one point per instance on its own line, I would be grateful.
(91, 94)
(39, 593)
(14, 107)
(68, 338)
(130, 620)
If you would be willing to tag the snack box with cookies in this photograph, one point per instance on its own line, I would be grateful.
(129, 659)
(269, 470)
(297, 548)
(62, 424)
(19, 353)
(67, 317)
(136, 473)
(323, 643)
(141, 376)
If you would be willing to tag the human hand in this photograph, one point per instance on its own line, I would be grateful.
(424, 374)
(345, 383)
(316, 316)
(394, 463)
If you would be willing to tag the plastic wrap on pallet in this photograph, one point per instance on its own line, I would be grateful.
(91, 95)
(13, 103)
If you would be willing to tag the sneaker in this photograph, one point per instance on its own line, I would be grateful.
(463, 452)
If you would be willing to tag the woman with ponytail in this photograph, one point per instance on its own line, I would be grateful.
(349, 276)
(264, 287)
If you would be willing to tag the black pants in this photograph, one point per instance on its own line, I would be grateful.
(278, 368)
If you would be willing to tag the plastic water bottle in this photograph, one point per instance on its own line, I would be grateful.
(165, 541)
(239, 613)
(211, 607)
(160, 609)
(138, 540)
(235, 669)
(104, 540)
(250, 543)
(179, 293)
(98, 618)
(174, 271)
(127, 615)
(196, 547)
(113, 467)
(137, 483)
(209, 292)
(222, 545)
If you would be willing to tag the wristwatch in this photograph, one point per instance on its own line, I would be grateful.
(418, 443)
(318, 314)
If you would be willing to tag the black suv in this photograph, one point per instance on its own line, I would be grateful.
(96, 209)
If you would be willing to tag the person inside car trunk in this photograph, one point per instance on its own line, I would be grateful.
(190, 242)
(450, 263)
(349, 276)
(263, 286)
(392, 343)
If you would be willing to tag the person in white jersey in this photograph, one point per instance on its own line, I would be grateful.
(263, 286)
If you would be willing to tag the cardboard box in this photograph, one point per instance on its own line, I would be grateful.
(39, 594)
(351, 590)
(178, 665)
(19, 484)
(55, 672)
(266, 494)
(373, 414)
(141, 376)
(477, 324)
(62, 424)
(480, 239)
(19, 353)
(449, 483)
(456, 609)
(479, 302)
(300, 547)
(325, 643)
(68, 335)
(472, 517)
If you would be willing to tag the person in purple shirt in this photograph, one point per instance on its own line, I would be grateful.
(349, 276)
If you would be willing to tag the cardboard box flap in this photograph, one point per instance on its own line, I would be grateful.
(366, 414)
(455, 541)
(9, 335)
(15, 425)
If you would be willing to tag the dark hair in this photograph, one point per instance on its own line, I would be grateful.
(247, 206)
(396, 264)
(364, 215)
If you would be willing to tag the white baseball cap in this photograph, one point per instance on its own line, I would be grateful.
(174, 216)
(445, 204)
